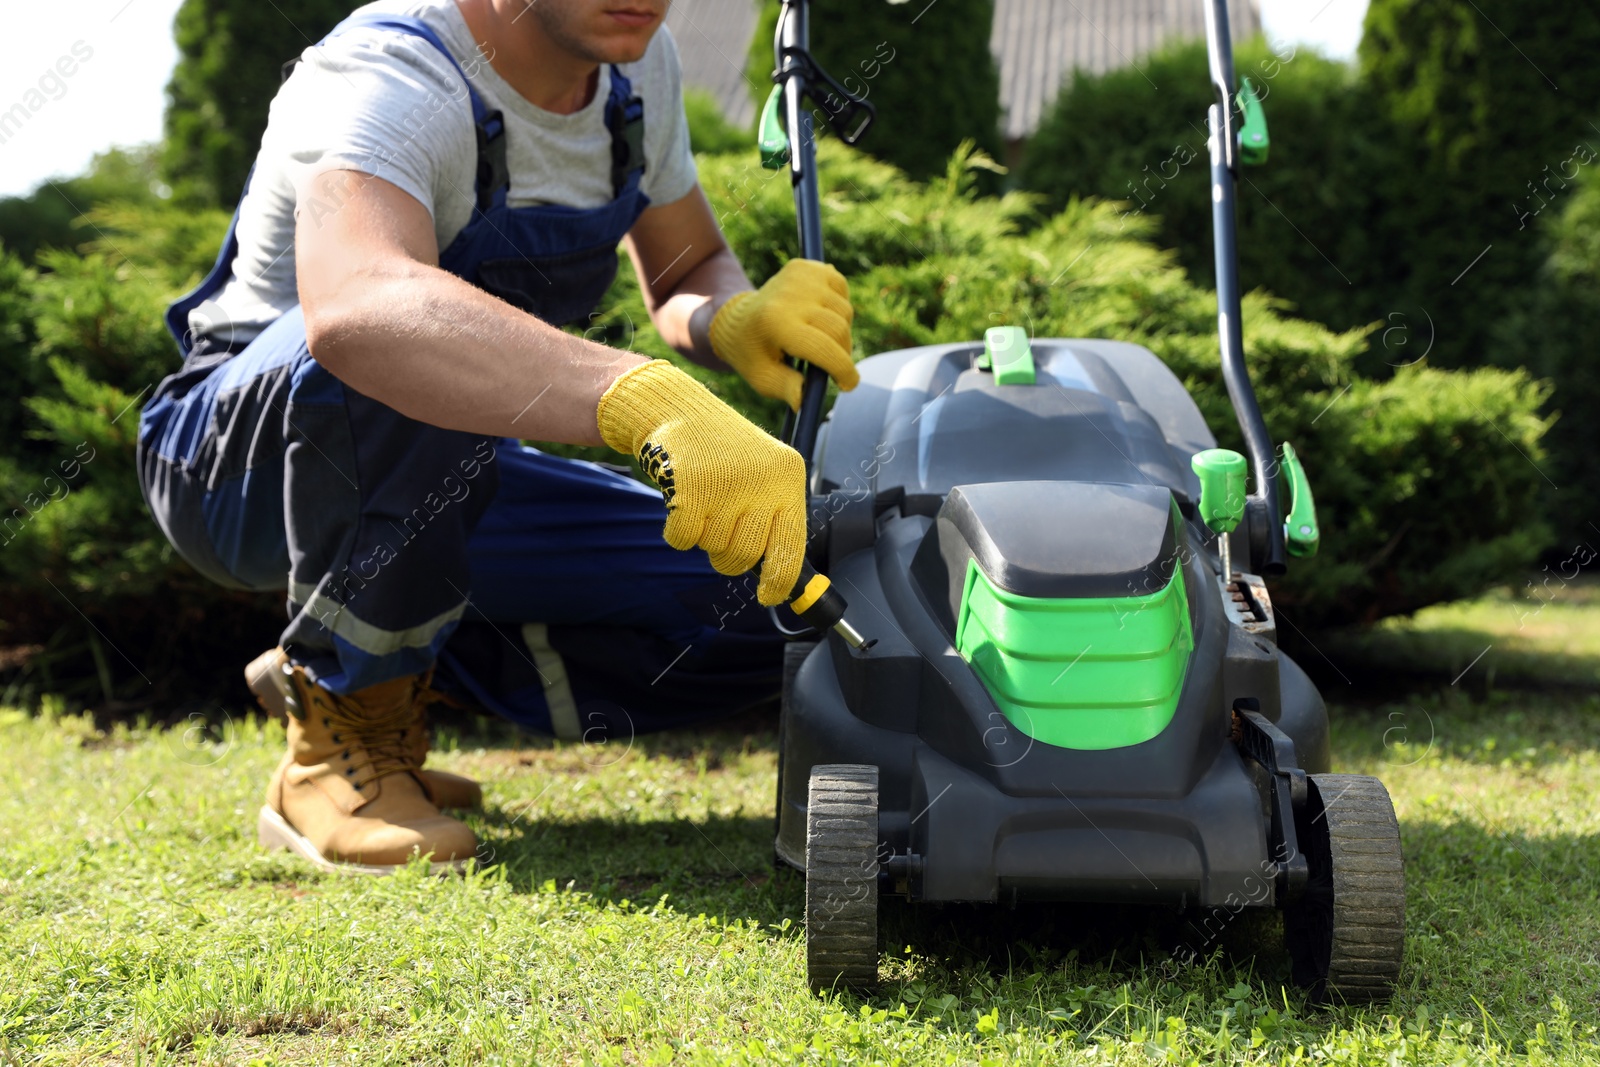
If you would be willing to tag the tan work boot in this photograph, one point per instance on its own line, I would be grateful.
(347, 796)
(268, 678)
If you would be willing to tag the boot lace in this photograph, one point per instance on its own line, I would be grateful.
(378, 728)
(428, 695)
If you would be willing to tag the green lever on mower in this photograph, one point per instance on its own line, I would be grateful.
(1222, 487)
(1253, 138)
(774, 142)
(1300, 530)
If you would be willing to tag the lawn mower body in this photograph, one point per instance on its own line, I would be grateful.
(1070, 691)
(1074, 486)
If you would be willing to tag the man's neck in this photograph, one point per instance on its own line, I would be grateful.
(542, 73)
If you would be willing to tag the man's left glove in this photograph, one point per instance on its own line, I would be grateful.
(802, 311)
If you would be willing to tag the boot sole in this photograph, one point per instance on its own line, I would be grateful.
(274, 833)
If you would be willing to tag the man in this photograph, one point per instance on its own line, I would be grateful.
(442, 184)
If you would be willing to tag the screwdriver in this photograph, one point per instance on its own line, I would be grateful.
(821, 607)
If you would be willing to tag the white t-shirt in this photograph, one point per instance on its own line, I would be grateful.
(388, 104)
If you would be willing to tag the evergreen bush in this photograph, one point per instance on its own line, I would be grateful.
(1552, 332)
(709, 131)
(925, 67)
(51, 216)
(1312, 225)
(1406, 190)
(1421, 479)
(1491, 101)
(230, 63)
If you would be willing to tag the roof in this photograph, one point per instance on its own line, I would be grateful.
(713, 42)
(1037, 44)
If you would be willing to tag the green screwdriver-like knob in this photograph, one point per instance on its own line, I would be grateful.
(1222, 483)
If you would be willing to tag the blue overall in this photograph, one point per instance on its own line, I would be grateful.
(541, 587)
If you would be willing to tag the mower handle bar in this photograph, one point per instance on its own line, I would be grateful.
(793, 41)
(1263, 518)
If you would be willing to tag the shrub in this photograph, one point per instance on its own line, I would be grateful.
(708, 130)
(1552, 332)
(83, 568)
(230, 63)
(1489, 100)
(1421, 479)
(926, 68)
(1385, 183)
(49, 217)
(1311, 220)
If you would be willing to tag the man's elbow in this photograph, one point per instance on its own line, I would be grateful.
(331, 327)
(340, 315)
(346, 304)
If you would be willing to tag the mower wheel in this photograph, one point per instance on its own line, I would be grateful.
(1346, 934)
(842, 877)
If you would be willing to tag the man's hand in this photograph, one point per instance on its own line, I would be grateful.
(803, 311)
(729, 487)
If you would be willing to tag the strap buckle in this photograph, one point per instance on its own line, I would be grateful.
(626, 123)
(494, 173)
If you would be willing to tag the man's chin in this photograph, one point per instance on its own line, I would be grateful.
(621, 51)
(618, 44)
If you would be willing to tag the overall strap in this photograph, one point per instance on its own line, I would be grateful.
(625, 120)
(177, 315)
(494, 175)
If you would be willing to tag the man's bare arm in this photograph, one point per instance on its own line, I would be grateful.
(385, 319)
(687, 272)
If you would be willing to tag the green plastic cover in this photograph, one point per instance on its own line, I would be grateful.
(1079, 672)
(1007, 353)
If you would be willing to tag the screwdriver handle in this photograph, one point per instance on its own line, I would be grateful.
(815, 599)
(822, 607)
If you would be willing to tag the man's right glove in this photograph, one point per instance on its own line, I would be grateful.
(729, 486)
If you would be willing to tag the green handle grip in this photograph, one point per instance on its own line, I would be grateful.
(1222, 487)
(1253, 139)
(774, 142)
(1300, 530)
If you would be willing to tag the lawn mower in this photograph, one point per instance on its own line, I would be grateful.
(1073, 692)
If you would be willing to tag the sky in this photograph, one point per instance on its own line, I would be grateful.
(1333, 26)
(114, 97)
(90, 74)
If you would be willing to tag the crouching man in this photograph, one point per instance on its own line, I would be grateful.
(441, 186)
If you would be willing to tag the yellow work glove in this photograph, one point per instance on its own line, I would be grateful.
(803, 311)
(730, 487)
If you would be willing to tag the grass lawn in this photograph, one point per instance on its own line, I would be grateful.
(632, 915)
